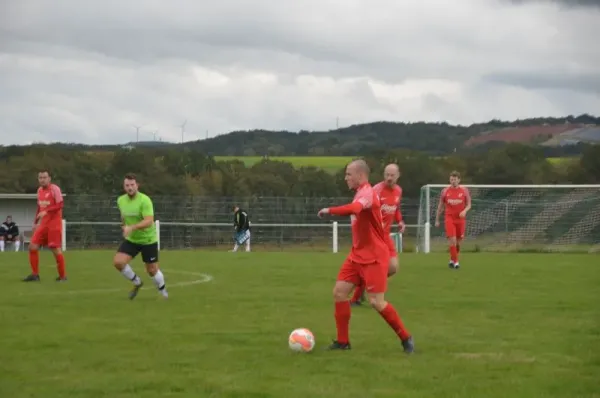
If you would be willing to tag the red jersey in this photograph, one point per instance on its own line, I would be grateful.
(50, 200)
(390, 199)
(455, 199)
(368, 236)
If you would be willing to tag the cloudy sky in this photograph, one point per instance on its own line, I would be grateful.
(89, 70)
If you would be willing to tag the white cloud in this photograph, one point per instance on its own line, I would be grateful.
(89, 71)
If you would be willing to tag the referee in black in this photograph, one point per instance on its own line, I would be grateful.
(241, 223)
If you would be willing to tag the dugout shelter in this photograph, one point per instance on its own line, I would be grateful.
(22, 208)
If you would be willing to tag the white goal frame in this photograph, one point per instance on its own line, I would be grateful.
(424, 223)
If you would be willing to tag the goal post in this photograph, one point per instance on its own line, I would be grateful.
(534, 218)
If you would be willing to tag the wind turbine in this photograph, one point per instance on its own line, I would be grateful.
(183, 129)
(137, 133)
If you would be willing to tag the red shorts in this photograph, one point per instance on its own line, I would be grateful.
(455, 228)
(48, 235)
(392, 247)
(373, 276)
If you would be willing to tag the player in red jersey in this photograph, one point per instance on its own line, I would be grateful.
(390, 196)
(47, 227)
(368, 259)
(456, 202)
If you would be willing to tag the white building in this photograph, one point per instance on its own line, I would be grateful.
(21, 206)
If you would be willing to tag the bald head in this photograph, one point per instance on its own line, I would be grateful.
(391, 173)
(357, 173)
(361, 166)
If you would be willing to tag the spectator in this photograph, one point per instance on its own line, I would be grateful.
(9, 232)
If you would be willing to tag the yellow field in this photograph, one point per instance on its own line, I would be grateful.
(331, 163)
(562, 161)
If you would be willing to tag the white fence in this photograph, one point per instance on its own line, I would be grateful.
(181, 235)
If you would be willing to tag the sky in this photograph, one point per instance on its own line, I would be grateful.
(100, 72)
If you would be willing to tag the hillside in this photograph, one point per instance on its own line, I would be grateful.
(556, 135)
(547, 135)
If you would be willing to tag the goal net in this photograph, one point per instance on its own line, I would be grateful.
(526, 218)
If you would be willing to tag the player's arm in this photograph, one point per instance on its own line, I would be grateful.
(236, 220)
(467, 202)
(440, 207)
(364, 202)
(37, 215)
(14, 231)
(58, 200)
(147, 214)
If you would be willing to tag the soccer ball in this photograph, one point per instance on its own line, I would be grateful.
(301, 340)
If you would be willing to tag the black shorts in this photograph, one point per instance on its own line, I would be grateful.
(5, 237)
(149, 252)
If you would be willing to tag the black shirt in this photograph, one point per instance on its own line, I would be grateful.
(241, 220)
(9, 228)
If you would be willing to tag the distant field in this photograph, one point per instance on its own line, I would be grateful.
(557, 161)
(330, 163)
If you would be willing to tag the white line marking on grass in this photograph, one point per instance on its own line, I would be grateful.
(202, 278)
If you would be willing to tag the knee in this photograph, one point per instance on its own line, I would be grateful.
(33, 247)
(338, 294)
(151, 269)
(393, 267)
(377, 302)
(452, 241)
(119, 262)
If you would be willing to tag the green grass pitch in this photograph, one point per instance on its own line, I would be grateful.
(518, 325)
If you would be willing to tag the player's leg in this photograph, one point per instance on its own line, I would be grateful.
(248, 242)
(451, 235)
(125, 253)
(150, 258)
(16, 241)
(236, 240)
(348, 278)
(55, 245)
(2, 242)
(359, 295)
(375, 276)
(39, 239)
(459, 226)
(393, 261)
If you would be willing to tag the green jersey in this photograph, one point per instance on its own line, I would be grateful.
(133, 210)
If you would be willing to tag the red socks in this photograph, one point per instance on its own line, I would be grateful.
(60, 265)
(393, 319)
(453, 254)
(342, 321)
(34, 262)
(358, 292)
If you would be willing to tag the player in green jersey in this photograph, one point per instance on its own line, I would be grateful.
(139, 233)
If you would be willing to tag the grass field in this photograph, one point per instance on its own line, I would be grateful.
(329, 163)
(518, 325)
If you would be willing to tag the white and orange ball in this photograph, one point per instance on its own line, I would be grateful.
(301, 340)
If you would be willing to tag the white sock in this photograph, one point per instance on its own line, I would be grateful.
(235, 247)
(159, 281)
(248, 245)
(1, 245)
(130, 275)
(17, 245)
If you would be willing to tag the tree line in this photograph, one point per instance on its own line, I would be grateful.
(188, 171)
